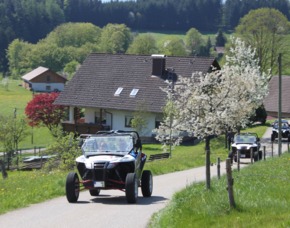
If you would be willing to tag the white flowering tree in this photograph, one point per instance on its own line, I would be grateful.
(208, 104)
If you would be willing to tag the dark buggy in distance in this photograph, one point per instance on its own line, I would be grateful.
(285, 130)
(111, 160)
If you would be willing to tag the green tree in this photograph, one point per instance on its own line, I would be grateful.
(265, 29)
(234, 10)
(115, 38)
(220, 39)
(173, 47)
(144, 44)
(16, 53)
(71, 68)
(65, 150)
(194, 41)
(12, 131)
(139, 121)
(68, 42)
(205, 49)
(74, 34)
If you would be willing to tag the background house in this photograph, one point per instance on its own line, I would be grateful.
(271, 102)
(43, 79)
(109, 88)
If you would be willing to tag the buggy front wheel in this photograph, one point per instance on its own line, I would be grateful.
(131, 186)
(146, 183)
(72, 187)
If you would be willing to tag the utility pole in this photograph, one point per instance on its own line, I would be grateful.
(171, 86)
(280, 105)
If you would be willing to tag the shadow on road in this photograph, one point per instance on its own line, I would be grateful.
(121, 200)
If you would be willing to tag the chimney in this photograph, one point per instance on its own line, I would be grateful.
(158, 65)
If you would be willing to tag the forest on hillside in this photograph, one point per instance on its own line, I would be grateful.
(32, 20)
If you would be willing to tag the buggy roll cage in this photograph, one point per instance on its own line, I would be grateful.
(137, 144)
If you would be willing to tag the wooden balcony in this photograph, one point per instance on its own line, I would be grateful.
(83, 128)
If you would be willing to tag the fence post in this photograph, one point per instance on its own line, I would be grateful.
(2, 166)
(272, 152)
(264, 152)
(238, 159)
(41, 160)
(230, 183)
(252, 155)
(218, 168)
(34, 150)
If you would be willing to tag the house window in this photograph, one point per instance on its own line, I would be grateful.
(48, 78)
(128, 121)
(118, 91)
(134, 92)
(48, 88)
(99, 119)
(157, 123)
(158, 120)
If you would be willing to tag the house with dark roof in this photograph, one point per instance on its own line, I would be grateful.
(109, 88)
(271, 102)
(43, 79)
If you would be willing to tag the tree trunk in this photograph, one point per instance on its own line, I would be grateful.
(207, 161)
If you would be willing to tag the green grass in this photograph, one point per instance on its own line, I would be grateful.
(259, 129)
(184, 157)
(261, 192)
(14, 96)
(37, 137)
(21, 189)
(162, 36)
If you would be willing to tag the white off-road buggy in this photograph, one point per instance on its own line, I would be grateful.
(110, 160)
(247, 144)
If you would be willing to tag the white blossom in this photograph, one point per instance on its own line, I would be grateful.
(221, 99)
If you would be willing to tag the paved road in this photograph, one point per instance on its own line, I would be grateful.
(266, 141)
(110, 209)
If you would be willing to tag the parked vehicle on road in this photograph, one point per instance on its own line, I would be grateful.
(244, 143)
(111, 160)
(285, 130)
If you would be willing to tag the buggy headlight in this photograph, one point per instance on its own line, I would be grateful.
(89, 165)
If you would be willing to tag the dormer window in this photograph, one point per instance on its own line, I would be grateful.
(118, 91)
(134, 92)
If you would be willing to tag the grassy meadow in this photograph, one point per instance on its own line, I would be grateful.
(261, 193)
(12, 96)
